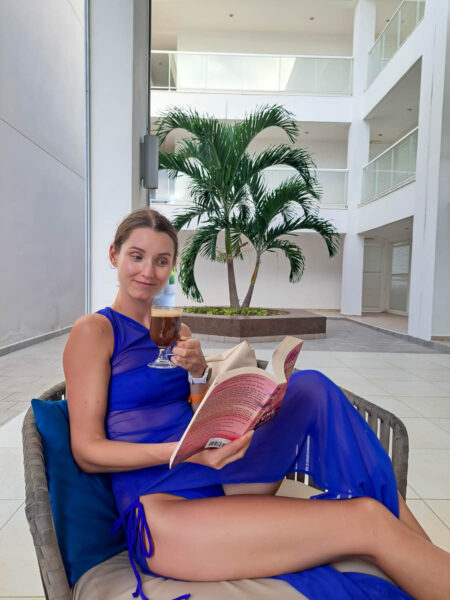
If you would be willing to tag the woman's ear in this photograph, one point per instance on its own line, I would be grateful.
(113, 255)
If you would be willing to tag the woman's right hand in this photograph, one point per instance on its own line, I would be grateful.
(217, 458)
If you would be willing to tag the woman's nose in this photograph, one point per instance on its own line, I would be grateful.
(147, 269)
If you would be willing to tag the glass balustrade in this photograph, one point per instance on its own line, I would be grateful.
(190, 71)
(395, 167)
(332, 182)
(400, 26)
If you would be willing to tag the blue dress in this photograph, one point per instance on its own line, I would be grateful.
(317, 431)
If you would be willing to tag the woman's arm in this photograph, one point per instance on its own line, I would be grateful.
(87, 372)
(187, 353)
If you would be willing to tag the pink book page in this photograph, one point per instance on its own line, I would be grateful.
(272, 406)
(231, 409)
(290, 361)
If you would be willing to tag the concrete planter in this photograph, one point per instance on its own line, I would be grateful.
(296, 322)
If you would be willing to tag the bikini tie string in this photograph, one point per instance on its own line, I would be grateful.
(136, 526)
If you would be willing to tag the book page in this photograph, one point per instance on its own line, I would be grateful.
(230, 408)
(285, 356)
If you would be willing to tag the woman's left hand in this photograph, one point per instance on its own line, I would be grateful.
(187, 354)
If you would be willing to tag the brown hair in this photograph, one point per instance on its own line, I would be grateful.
(145, 217)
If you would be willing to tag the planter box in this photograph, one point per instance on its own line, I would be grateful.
(296, 322)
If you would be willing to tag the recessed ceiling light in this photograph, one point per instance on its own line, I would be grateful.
(311, 18)
(231, 15)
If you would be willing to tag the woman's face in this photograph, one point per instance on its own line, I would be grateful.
(144, 263)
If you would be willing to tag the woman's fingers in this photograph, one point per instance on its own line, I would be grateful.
(187, 353)
(217, 458)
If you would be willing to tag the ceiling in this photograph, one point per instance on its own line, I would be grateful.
(321, 17)
(288, 16)
(399, 230)
(398, 112)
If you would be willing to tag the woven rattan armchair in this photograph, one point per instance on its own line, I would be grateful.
(389, 429)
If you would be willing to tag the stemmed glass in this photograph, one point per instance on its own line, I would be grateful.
(165, 327)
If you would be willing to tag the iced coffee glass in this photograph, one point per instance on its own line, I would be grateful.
(165, 327)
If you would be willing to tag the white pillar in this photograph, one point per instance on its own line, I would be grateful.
(357, 157)
(118, 43)
(429, 303)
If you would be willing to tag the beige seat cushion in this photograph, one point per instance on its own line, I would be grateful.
(113, 579)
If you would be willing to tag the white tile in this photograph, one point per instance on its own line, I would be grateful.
(19, 571)
(442, 423)
(441, 508)
(433, 375)
(414, 362)
(445, 386)
(409, 388)
(362, 388)
(371, 360)
(428, 406)
(7, 510)
(411, 494)
(423, 434)
(10, 433)
(12, 485)
(338, 374)
(393, 405)
(390, 374)
(435, 528)
(442, 359)
(428, 473)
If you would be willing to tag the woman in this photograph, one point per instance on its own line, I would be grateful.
(216, 517)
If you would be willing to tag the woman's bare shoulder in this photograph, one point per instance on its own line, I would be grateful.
(92, 331)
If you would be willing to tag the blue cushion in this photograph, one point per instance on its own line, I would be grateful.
(83, 504)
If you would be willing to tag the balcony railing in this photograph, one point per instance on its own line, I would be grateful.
(392, 169)
(333, 184)
(400, 26)
(263, 73)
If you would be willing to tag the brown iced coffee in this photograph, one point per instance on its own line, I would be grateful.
(165, 325)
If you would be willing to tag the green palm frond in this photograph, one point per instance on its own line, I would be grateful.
(325, 228)
(294, 255)
(181, 219)
(262, 118)
(204, 242)
(282, 154)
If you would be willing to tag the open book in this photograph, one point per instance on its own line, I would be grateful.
(237, 401)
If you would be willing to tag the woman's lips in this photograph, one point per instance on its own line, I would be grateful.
(144, 283)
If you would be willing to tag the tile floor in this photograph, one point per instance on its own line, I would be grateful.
(416, 387)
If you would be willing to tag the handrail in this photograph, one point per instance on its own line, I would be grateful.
(387, 25)
(391, 147)
(250, 54)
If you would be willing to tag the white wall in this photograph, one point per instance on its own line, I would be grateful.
(41, 167)
(118, 96)
(257, 42)
(320, 286)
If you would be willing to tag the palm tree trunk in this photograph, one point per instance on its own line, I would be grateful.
(251, 287)
(234, 300)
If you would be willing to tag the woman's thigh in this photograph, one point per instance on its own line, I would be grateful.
(235, 537)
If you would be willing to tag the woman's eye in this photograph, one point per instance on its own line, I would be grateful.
(136, 256)
(162, 262)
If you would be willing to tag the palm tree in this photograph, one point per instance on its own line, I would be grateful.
(220, 168)
(276, 214)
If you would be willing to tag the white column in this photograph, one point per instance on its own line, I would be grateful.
(118, 119)
(357, 157)
(429, 303)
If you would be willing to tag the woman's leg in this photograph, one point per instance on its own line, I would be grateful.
(410, 520)
(257, 536)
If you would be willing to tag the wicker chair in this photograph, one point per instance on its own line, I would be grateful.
(389, 429)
